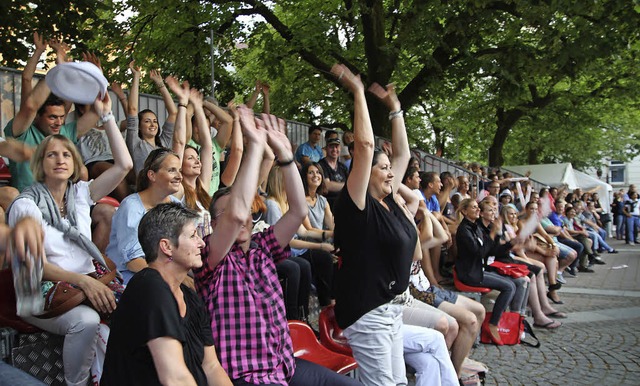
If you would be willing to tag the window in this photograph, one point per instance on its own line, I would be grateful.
(617, 170)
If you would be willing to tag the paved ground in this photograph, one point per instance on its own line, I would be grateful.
(599, 344)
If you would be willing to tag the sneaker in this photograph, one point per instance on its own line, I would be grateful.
(571, 271)
(569, 274)
(598, 261)
(631, 243)
(560, 278)
(613, 251)
(585, 269)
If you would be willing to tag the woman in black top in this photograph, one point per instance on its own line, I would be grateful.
(474, 248)
(377, 241)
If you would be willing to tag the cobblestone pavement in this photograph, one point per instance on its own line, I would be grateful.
(599, 344)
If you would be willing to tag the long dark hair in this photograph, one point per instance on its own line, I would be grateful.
(156, 139)
(322, 189)
(199, 193)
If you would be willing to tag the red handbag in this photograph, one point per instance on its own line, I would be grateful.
(510, 327)
(510, 269)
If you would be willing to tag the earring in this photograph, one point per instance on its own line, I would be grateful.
(170, 258)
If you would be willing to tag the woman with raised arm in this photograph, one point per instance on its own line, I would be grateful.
(377, 242)
(143, 133)
(62, 203)
(196, 166)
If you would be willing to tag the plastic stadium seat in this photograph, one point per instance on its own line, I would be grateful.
(307, 347)
(331, 335)
(467, 288)
(109, 200)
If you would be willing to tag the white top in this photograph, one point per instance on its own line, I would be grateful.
(59, 250)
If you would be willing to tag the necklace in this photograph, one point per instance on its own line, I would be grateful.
(63, 207)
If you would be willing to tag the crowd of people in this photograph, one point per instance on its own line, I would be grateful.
(224, 229)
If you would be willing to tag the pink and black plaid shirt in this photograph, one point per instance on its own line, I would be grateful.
(248, 317)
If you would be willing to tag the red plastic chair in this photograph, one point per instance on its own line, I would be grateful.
(109, 201)
(307, 347)
(467, 288)
(331, 335)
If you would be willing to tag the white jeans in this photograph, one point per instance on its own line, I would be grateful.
(80, 329)
(426, 351)
(377, 345)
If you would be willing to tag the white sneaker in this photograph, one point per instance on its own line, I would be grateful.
(560, 278)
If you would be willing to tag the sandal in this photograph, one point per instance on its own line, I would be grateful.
(557, 315)
(552, 325)
(554, 300)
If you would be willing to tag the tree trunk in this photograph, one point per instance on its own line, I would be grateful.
(505, 120)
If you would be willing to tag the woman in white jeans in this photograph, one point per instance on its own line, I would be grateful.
(377, 240)
(62, 204)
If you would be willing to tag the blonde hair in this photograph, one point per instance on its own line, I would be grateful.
(38, 158)
(462, 206)
(275, 188)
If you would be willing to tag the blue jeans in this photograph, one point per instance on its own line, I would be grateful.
(633, 223)
(620, 220)
(10, 376)
(310, 374)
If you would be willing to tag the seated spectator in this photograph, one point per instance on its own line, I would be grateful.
(412, 178)
(589, 221)
(159, 178)
(143, 134)
(161, 331)
(581, 235)
(463, 188)
(238, 279)
(320, 215)
(196, 171)
(347, 138)
(308, 244)
(310, 151)
(474, 248)
(62, 203)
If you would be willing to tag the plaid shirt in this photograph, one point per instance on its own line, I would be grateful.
(248, 317)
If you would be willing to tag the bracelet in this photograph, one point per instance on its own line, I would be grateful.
(395, 114)
(284, 163)
(107, 117)
(182, 105)
(160, 86)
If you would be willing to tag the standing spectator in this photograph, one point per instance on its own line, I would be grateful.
(310, 151)
(335, 172)
(632, 212)
(617, 209)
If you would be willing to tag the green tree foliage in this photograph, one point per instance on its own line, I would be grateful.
(497, 78)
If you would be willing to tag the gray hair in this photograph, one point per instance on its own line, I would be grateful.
(164, 221)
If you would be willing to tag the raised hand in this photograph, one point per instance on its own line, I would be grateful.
(92, 58)
(135, 70)
(181, 90)
(233, 110)
(387, 96)
(351, 82)
(265, 88)
(39, 42)
(102, 105)
(156, 77)
(252, 129)
(277, 137)
(61, 49)
(117, 89)
(195, 97)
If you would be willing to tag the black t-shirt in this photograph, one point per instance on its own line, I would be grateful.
(339, 174)
(376, 250)
(148, 310)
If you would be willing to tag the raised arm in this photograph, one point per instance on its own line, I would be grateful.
(106, 182)
(230, 219)
(172, 110)
(254, 95)
(226, 123)
(180, 130)
(30, 68)
(358, 180)
(16, 150)
(236, 148)
(204, 133)
(266, 102)
(134, 92)
(290, 222)
(399, 142)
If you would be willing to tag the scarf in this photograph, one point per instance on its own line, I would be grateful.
(39, 193)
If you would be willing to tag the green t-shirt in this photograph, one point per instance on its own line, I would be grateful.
(21, 176)
(215, 175)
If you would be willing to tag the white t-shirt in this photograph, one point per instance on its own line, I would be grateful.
(59, 250)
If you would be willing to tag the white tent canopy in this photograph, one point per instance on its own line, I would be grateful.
(560, 174)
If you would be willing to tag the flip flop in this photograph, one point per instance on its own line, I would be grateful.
(557, 315)
(549, 326)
